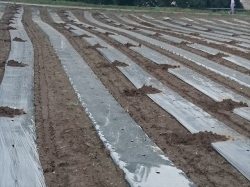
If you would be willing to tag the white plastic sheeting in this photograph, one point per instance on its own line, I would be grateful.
(208, 64)
(19, 160)
(143, 163)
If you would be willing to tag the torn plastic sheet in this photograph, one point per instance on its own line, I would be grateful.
(143, 163)
(19, 164)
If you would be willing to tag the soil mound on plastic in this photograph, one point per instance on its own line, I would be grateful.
(16, 39)
(160, 66)
(10, 112)
(118, 63)
(144, 90)
(201, 139)
(227, 105)
(14, 63)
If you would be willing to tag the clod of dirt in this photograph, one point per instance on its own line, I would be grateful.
(14, 63)
(86, 36)
(227, 105)
(195, 34)
(98, 46)
(70, 28)
(10, 112)
(118, 63)
(160, 66)
(146, 24)
(216, 57)
(130, 45)
(232, 42)
(109, 33)
(157, 34)
(202, 139)
(16, 39)
(144, 90)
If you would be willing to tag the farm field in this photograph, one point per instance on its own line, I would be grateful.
(111, 98)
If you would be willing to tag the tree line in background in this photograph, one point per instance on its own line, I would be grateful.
(167, 3)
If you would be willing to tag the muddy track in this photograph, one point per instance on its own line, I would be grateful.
(5, 38)
(193, 155)
(69, 148)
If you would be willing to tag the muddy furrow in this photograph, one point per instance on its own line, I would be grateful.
(5, 38)
(161, 127)
(70, 150)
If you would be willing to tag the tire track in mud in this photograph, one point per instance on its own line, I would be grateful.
(165, 131)
(5, 38)
(69, 148)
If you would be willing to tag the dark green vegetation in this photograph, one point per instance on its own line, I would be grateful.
(179, 3)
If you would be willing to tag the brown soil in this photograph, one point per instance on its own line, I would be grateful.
(130, 45)
(10, 112)
(9, 28)
(216, 57)
(192, 158)
(70, 150)
(86, 36)
(118, 63)
(5, 39)
(97, 46)
(227, 105)
(160, 66)
(144, 90)
(18, 39)
(201, 139)
(108, 33)
(14, 63)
